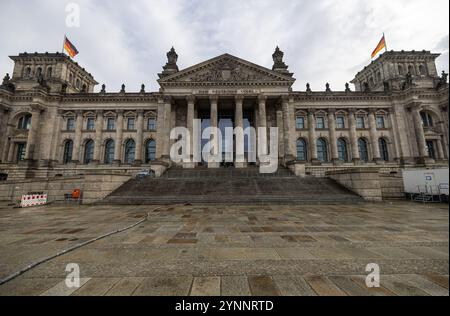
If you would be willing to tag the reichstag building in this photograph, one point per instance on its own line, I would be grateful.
(395, 114)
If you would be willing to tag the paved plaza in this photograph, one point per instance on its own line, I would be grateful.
(229, 250)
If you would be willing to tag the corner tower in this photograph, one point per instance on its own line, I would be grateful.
(395, 70)
(56, 71)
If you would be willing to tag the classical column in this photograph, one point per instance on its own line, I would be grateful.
(214, 124)
(353, 137)
(167, 127)
(11, 151)
(444, 129)
(139, 137)
(280, 134)
(119, 136)
(262, 110)
(401, 130)
(160, 128)
(374, 137)
(312, 136)
(239, 123)
(288, 154)
(333, 140)
(5, 145)
(190, 126)
(30, 153)
(77, 139)
(394, 134)
(440, 149)
(98, 137)
(420, 134)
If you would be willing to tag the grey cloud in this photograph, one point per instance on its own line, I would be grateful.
(126, 42)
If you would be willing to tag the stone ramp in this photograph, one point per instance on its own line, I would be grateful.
(231, 186)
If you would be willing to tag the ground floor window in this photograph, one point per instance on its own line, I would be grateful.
(384, 153)
(109, 152)
(342, 150)
(21, 149)
(322, 153)
(68, 150)
(431, 149)
(150, 151)
(302, 152)
(130, 151)
(89, 151)
(363, 152)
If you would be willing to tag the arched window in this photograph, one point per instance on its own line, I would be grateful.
(49, 72)
(38, 71)
(427, 120)
(78, 84)
(109, 152)
(383, 149)
(27, 72)
(322, 153)
(379, 76)
(342, 150)
(84, 88)
(130, 151)
(150, 151)
(400, 69)
(24, 122)
(411, 69)
(371, 82)
(302, 151)
(363, 152)
(68, 150)
(422, 70)
(88, 151)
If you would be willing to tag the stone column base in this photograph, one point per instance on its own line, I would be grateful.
(424, 160)
(337, 162)
(117, 163)
(189, 165)
(137, 163)
(240, 165)
(94, 163)
(316, 162)
(213, 165)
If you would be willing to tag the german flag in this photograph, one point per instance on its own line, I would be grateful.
(380, 46)
(70, 48)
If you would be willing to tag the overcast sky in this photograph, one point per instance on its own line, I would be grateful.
(126, 41)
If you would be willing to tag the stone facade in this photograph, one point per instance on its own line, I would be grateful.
(51, 121)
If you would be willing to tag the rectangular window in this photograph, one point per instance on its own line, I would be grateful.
(300, 122)
(360, 122)
(320, 123)
(111, 124)
(151, 124)
(340, 122)
(90, 124)
(380, 122)
(70, 124)
(130, 124)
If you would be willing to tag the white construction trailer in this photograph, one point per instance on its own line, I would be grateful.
(430, 181)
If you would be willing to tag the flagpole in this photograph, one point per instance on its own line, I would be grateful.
(385, 43)
(64, 42)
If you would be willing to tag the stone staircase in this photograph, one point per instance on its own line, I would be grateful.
(230, 186)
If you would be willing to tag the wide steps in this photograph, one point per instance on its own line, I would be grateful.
(230, 186)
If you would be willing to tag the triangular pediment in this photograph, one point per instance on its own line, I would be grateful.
(227, 70)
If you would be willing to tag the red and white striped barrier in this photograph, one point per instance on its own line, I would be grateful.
(29, 200)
